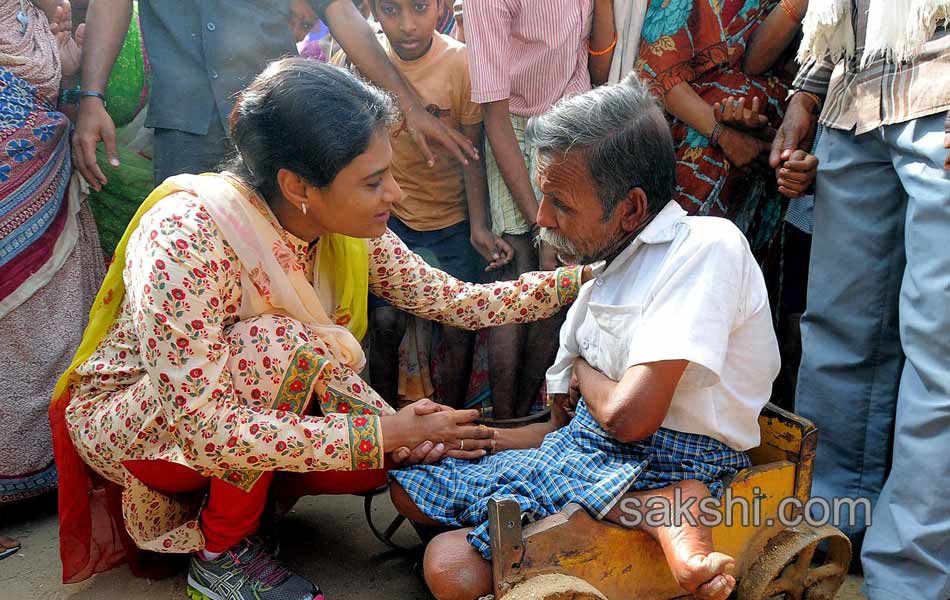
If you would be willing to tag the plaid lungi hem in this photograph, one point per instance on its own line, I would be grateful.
(578, 463)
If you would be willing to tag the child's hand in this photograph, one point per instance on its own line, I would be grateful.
(494, 249)
(733, 112)
(796, 174)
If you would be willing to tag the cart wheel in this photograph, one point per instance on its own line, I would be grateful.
(386, 536)
(554, 587)
(789, 568)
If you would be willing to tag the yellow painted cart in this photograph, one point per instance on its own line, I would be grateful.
(572, 556)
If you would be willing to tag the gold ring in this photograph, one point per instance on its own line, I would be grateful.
(461, 445)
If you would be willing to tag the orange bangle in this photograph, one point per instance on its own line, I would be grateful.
(608, 49)
(813, 96)
(790, 11)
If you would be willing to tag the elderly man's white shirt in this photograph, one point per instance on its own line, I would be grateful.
(687, 288)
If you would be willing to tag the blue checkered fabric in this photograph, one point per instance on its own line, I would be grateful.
(578, 463)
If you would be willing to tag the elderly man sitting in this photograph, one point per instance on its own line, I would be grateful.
(671, 346)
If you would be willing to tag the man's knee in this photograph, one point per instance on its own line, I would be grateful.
(454, 570)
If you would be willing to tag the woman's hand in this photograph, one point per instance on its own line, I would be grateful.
(426, 452)
(422, 422)
(733, 112)
(493, 248)
(740, 148)
(797, 174)
(61, 26)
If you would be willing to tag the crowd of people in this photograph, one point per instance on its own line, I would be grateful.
(346, 240)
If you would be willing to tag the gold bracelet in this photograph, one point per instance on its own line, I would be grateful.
(608, 49)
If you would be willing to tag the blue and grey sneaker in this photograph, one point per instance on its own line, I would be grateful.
(247, 572)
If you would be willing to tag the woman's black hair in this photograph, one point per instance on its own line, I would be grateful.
(307, 117)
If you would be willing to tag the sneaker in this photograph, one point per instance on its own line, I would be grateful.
(247, 572)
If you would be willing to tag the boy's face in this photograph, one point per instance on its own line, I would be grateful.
(302, 18)
(409, 25)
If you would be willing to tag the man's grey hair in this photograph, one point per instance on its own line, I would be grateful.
(623, 133)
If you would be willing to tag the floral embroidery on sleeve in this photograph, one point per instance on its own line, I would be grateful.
(403, 279)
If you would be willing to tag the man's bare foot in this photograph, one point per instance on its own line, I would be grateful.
(706, 576)
(8, 546)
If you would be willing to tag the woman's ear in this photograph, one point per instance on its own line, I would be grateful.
(292, 187)
(634, 210)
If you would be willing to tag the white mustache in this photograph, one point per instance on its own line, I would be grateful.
(558, 242)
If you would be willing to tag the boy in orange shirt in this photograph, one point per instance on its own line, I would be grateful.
(443, 215)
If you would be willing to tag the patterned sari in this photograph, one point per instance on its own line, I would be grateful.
(703, 43)
(50, 259)
(34, 175)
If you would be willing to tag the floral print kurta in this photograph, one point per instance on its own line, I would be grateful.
(179, 378)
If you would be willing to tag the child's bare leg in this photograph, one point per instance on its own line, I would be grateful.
(454, 570)
(688, 549)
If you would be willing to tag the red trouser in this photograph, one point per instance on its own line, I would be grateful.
(231, 514)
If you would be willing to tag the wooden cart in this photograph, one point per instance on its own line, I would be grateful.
(572, 556)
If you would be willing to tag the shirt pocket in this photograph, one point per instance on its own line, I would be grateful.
(616, 327)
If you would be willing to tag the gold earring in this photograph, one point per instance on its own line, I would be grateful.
(303, 208)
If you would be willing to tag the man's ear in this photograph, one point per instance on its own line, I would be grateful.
(633, 209)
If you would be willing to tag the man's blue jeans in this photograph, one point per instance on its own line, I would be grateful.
(875, 372)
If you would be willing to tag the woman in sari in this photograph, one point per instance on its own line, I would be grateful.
(221, 359)
(50, 260)
(691, 53)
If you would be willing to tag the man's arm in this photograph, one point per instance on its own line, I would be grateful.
(634, 407)
(797, 131)
(107, 22)
(352, 31)
(508, 156)
(602, 43)
(496, 251)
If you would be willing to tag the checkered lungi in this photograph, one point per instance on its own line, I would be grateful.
(577, 463)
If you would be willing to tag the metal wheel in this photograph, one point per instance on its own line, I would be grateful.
(554, 587)
(789, 568)
(385, 536)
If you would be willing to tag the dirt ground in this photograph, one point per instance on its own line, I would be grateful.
(325, 539)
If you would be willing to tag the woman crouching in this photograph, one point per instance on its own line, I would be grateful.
(224, 344)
